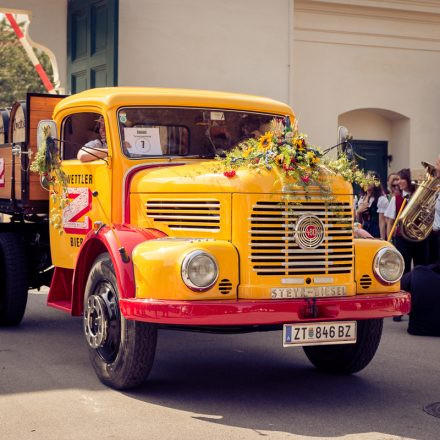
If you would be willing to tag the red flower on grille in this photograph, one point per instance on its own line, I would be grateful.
(305, 179)
(230, 174)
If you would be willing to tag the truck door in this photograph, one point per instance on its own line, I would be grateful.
(88, 188)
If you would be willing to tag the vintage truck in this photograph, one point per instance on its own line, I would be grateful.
(155, 237)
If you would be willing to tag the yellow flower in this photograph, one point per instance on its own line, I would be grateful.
(265, 141)
(279, 159)
(299, 142)
(247, 152)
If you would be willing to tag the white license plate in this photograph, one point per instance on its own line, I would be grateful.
(319, 333)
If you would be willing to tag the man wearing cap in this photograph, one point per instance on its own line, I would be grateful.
(96, 149)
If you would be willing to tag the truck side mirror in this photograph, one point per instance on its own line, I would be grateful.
(46, 127)
(344, 145)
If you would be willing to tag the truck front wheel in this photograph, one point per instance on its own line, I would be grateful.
(348, 358)
(13, 279)
(121, 351)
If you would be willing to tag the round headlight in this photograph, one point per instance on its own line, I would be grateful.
(199, 270)
(388, 265)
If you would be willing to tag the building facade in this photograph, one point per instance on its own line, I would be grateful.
(369, 65)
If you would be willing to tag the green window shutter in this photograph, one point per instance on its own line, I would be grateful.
(92, 44)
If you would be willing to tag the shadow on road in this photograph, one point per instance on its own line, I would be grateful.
(246, 381)
(264, 387)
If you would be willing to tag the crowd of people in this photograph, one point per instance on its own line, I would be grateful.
(376, 211)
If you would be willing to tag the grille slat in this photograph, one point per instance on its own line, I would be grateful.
(311, 257)
(365, 281)
(301, 270)
(168, 216)
(274, 251)
(186, 215)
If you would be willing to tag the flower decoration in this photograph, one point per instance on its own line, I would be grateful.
(287, 151)
(48, 164)
(281, 149)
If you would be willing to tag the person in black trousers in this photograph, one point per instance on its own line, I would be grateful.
(412, 251)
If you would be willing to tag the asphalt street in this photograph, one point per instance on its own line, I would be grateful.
(208, 386)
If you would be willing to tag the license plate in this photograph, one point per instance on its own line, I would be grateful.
(319, 333)
(307, 292)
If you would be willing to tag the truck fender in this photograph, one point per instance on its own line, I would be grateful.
(112, 240)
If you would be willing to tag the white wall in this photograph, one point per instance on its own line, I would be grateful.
(355, 57)
(367, 125)
(232, 45)
(48, 29)
(382, 125)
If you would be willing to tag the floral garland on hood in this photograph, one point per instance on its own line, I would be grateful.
(286, 151)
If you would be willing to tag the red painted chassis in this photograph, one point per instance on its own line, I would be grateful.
(265, 312)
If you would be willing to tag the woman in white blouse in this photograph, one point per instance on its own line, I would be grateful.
(370, 211)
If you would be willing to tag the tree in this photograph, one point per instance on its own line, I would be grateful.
(17, 73)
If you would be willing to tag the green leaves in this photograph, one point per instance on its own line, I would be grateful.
(17, 73)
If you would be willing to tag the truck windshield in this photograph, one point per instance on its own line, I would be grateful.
(180, 131)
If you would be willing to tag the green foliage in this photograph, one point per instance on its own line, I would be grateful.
(286, 151)
(48, 164)
(17, 74)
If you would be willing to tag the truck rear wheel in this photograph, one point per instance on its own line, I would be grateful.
(121, 351)
(13, 279)
(348, 358)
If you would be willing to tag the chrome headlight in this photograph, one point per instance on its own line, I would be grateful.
(199, 270)
(388, 265)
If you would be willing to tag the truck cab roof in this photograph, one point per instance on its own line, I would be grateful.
(108, 98)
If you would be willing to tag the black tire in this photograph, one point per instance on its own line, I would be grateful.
(348, 358)
(122, 355)
(13, 279)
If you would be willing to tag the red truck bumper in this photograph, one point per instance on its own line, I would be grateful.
(265, 312)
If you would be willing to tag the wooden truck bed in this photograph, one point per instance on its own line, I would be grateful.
(20, 189)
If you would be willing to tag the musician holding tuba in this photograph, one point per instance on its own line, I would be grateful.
(435, 241)
(411, 250)
(423, 282)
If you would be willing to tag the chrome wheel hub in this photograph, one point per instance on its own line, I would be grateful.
(96, 321)
(102, 321)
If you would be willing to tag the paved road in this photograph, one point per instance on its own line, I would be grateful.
(207, 386)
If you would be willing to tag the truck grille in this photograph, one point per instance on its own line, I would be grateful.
(186, 215)
(274, 251)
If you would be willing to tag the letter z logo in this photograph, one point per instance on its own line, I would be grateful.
(80, 204)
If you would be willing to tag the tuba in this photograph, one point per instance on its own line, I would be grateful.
(418, 215)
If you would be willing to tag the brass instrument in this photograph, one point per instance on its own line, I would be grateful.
(418, 216)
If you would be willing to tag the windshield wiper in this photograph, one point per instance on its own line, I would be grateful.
(197, 156)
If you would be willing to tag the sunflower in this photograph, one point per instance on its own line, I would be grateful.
(310, 155)
(279, 159)
(300, 143)
(247, 152)
(265, 141)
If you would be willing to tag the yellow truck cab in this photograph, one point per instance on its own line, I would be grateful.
(156, 235)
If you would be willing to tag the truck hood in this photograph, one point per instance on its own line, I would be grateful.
(207, 177)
